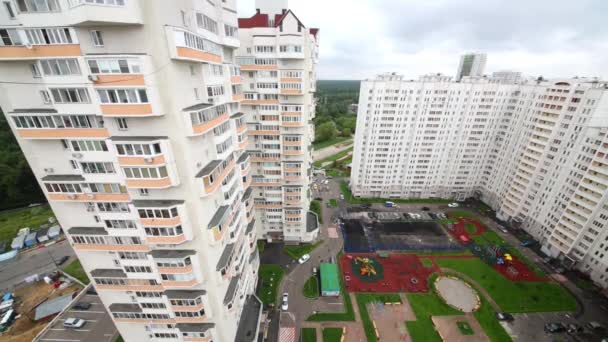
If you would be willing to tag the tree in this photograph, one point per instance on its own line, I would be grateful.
(325, 131)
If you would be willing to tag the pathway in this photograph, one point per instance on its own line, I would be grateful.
(331, 150)
(354, 329)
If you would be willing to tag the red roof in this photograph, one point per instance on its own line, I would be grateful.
(314, 31)
(258, 20)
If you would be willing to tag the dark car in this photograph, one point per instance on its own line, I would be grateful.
(83, 306)
(318, 199)
(91, 291)
(554, 328)
(425, 208)
(503, 316)
(366, 205)
(62, 260)
(574, 328)
(528, 243)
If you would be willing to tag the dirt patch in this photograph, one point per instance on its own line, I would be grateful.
(27, 299)
(447, 327)
(389, 319)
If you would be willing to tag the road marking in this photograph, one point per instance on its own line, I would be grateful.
(335, 303)
(82, 330)
(57, 329)
(58, 339)
(87, 320)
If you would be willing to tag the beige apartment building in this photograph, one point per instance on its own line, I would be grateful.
(277, 59)
(536, 151)
(129, 113)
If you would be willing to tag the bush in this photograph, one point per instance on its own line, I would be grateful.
(315, 207)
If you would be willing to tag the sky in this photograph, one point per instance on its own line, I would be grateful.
(362, 38)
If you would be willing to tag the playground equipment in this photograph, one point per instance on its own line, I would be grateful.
(366, 266)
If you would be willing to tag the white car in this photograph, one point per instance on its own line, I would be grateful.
(341, 196)
(285, 302)
(304, 258)
(74, 323)
(453, 205)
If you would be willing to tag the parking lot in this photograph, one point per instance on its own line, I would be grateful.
(98, 327)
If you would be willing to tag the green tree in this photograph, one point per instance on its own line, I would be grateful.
(325, 131)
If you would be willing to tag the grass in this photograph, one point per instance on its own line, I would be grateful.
(75, 270)
(332, 334)
(465, 328)
(348, 196)
(270, 276)
(341, 154)
(311, 288)
(470, 228)
(486, 316)
(362, 300)
(333, 203)
(308, 335)
(426, 262)
(346, 316)
(296, 252)
(424, 306)
(261, 245)
(315, 207)
(119, 339)
(513, 296)
(317, 145)
(336, 173)
(12, 221)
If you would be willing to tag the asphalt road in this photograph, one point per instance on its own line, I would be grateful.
(34, 261)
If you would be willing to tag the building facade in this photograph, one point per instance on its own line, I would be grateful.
(128, 112)
(535, 151)
(277, 59)
(472, 65)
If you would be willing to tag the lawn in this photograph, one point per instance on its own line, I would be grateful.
(270, 277)
(348, 196)
(332, 334)
(12, 221)
(311, 288)
(333, 203)
(424, 306)
(362, 300)
(297, 251)
(460, 213)
(470, 228)
(342, 154)
(261, 245)
(486, 316)
(513, 296)
(315, 207)
(426, 262)
(75, 270)
(322, 144)
(308, 335)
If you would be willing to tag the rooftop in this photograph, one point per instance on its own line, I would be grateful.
(250, 320)
(53, 306)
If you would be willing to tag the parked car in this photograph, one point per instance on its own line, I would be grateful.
(285, 302)
(341, 196)
(304, 258)
(366, 205)
(62, 260)
(574, 328)
(594, 326)
(528, 243)
(74, 323)
(83, 306)
(503, 316)
(314, 270)
(91, 291)
(318, 199)
(453, 205)
(554, 328)
(503, 229)
(389, 204)
(425, 209)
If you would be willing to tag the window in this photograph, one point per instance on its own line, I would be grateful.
(144, 192)
(49, 36)
(206, 23)
(37, 5)
(138, 149)
(114, 66)
(46, 98)
(122, 124)
(9, 9)
(157, 213)
(96, 38)
(89, 145)
(215, 90)
(9, 37)
(202, 44)
(128, 95)
(230, 31)
(70, 95)
(97, 167)
(60, 67)
(145, 172)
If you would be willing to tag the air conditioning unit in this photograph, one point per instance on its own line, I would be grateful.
(49, 170)
(93, 78)
(72, 196)
(28, 45)
(77, 155)
(148, 160)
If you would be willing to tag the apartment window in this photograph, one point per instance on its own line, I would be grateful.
(49, 36)
(138, 149)
(35, 71)
(128, 95)
(196, 96)
(145, 172)
(9, 37)
(163, 231)
(114, 66)
(70, 95)
(215, 91)
(122, 124)
(38, 5)
(89, 145)
(157, 213)
(113, 207)
(206, 23)
(97, 38)
(97, 167)
(9, 9)
(74, 164)
(60, 67)
(230, 31)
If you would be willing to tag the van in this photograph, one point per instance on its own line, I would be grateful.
(389, 204)
(6, 305)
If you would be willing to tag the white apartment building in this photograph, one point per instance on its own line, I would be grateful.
(277, 59)
(472, 65)
(535, 151)
(128, 113)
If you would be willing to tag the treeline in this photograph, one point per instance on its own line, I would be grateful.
(333, 118)
(18, 186)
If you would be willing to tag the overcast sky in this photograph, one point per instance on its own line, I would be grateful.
(361, 38)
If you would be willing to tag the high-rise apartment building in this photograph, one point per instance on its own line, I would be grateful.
(128, 112)
(277, 59)
(471, 64)
(535, 151)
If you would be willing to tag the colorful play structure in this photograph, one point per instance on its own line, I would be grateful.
(367, 269)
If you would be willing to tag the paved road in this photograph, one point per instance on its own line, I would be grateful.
(300, 306)
(330, 150)
(31, 262)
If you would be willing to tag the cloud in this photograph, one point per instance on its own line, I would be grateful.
(360, 38)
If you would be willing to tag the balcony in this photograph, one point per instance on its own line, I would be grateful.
(236, 79)
(98, 239)
(193, 332)
(44, 123)
(173, 240)
(158, 183)
(219, 222)
(186, 300)
(254, 64)
(142, 161)
(44, 43)
(133, 313)
(214, 173)
(205, 116)
(173, 261)
(100, 13)
(116, 280)
(70, 188)
(128, 110)
(185, 45)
